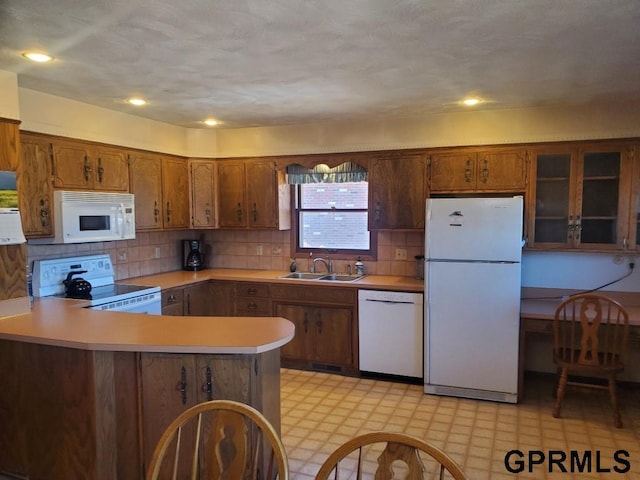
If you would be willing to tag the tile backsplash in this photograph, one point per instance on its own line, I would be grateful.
(158, 252)
(268, 250)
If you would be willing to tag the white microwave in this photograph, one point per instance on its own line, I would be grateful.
(81, 217)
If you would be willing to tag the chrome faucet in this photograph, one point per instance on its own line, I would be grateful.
(327, 264)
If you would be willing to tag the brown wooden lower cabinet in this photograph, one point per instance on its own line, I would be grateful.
(69, 413)
(253, 299)
(173, 301)
(171, 383)
(323, 334)
(97, 415)
(197, 299)
(326, 329)
(214, 298)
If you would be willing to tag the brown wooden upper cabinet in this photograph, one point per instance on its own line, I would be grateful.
(478, 170)
(35, 186)
(582, 197)
(160, 185)
(9, 144)
(252, 194)
(202, 175)
(175, 188)
(397, 191)
(83, 166)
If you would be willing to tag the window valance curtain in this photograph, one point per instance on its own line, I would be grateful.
(345, 172)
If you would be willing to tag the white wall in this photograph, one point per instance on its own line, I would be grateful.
(44, 113)
(479, 127)
(9, 95)
(582, 271)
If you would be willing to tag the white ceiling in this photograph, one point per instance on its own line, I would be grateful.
(274, 62)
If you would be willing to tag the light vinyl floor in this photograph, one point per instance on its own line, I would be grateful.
(321, 411)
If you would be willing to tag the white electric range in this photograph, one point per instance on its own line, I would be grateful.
(49, 275)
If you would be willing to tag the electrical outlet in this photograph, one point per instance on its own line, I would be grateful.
(157, 252)
(401, 253)
(259, 250)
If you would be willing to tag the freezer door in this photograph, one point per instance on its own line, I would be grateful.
(472, 319)
(474, 229)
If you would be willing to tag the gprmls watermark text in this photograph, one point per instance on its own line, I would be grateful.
(572, 461)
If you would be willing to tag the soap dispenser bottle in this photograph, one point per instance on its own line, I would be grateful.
(359, 267)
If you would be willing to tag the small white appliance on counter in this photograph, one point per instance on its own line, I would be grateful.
(473, 250)
(49, 276)
(11, 227)
(80, 217)
(390, 332)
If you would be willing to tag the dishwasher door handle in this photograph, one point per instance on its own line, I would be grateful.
(389, 301)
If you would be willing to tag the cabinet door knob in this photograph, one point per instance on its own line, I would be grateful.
(484, 174)
(100, 170)
(44, 213)
(467, 172)
(87, 169)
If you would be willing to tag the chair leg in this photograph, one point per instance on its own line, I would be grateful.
(562, 383)
(554, 393)
(613, 395)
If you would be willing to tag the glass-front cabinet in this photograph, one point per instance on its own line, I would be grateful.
(582, 197)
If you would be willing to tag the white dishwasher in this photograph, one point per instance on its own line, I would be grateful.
(390, 332)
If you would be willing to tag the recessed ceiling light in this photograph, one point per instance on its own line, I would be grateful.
(136, 101)
(210, 122)
(471, 101)
(37, 57)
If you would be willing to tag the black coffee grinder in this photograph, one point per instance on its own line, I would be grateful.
(192, 254)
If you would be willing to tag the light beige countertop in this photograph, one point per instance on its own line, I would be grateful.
(182, 278)
(62, 322)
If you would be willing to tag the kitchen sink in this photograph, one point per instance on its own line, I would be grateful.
(330, 277)
(304, 276)
(334, 277)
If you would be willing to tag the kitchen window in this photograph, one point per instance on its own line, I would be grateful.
(332, 217)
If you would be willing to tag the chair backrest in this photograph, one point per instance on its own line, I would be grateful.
(219, 439)
(590, 330)
(395, 452)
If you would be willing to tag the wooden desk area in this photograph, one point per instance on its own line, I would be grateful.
(538, 307)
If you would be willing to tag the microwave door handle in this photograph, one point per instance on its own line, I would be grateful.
(120, 231)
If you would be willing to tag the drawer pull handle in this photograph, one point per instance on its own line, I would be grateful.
(207, 386)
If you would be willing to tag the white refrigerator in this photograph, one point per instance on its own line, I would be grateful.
(473, 250)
